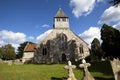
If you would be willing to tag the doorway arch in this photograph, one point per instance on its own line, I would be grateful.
(63, 57)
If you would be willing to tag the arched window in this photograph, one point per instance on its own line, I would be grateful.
(63, 41)
(44, 51)
(81, 49)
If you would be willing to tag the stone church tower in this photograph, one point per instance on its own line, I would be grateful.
(61, 44)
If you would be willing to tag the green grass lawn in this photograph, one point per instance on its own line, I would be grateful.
(99, 70)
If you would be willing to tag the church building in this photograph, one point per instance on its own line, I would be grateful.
(61, 44)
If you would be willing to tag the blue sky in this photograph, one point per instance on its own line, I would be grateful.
(32, 20)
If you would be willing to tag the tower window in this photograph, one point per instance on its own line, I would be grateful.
(58, 19)
(63, 19)
(81, 48)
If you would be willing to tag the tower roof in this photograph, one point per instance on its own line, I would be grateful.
(60, 14)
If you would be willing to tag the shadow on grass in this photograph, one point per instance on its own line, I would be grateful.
(55, 78)
(103, 67)
(48, 63)
(98, 66)
(99, 78)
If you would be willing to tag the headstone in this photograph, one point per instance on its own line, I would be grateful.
(86, 73)
(69, 67)
(116, 68)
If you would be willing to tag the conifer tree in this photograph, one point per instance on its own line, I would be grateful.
(96, 50)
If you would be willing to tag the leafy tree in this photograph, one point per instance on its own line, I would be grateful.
(111, 41)
(8, 52)
(21, 49)
(115, 2)
(96, 49)
(1, 52)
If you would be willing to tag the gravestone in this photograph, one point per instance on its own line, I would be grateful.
(86, 73)
(116, 68)
(69, 67)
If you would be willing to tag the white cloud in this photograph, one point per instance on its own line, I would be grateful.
(2, 43)
(112, 14)
(14, 38)
(45, 26)
(43, 35)
(30, 38)
(117, 26)
(15, 46)
(99, 1)
(9, 36)
(82, 7)
(90, 34)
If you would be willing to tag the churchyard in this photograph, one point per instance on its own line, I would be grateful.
(99, 70)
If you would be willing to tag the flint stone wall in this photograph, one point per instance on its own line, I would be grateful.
(60, 45)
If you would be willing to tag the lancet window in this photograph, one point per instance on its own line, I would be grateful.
(44, 51)
(63, 41)
(81, 49)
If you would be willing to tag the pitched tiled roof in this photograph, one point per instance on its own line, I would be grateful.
(30, 47)
(60, 13)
